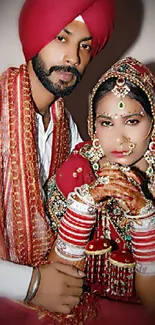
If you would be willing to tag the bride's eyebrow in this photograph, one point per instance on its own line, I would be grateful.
(133, 114)
(104, 115)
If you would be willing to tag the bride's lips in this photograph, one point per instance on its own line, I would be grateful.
(118, 153)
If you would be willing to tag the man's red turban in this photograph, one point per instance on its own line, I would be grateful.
(41, 20)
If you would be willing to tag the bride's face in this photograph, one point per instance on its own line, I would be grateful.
(124, 131)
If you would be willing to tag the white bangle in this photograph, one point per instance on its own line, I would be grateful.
(69, 251)
(141, 222)
(147, 268)
(84, 195)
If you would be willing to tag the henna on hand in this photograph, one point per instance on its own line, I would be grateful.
(122, 184)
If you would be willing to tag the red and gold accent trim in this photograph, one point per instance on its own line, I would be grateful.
(61, 136)
(27, 234)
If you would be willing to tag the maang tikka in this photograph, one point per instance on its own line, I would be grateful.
(120, 90)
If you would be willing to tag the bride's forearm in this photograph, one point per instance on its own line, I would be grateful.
(74, 230)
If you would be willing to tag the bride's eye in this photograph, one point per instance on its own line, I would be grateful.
(132, 121)
(106, 123)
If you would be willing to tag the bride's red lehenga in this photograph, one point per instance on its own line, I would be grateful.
(109, 266)
(109, 263)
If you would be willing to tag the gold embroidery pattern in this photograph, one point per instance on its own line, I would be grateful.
(32, 237)
(56, 204)
(61, 136)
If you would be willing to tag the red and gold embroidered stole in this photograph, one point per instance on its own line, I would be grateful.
(25, 236)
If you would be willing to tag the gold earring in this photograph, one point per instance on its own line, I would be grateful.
(150, 156)
(96, 153)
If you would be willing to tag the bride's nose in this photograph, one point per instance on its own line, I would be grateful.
(120, 141)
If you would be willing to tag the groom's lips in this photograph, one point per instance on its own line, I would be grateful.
(66, 76)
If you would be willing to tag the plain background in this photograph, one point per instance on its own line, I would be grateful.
(134, 35)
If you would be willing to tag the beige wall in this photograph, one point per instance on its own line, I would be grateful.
(10, 48)
(134, 35)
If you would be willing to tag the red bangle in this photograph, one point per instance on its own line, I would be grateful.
(82, 217)
(71, 241)
(143, 247)
(84, 232)
(138, 234)
(73, 236)
(144, 260)
(79, 223)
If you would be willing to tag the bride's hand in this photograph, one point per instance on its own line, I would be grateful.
(122, 184)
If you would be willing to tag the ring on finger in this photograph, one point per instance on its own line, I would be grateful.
(103, 180)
